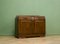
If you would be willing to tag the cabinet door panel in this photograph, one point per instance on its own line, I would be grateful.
(39, 27)
(24, 27)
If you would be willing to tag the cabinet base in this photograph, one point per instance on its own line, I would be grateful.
(30, 35)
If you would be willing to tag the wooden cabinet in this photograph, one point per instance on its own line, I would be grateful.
(30, 26)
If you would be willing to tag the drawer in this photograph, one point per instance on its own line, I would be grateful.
(38, 19)
(24, 19)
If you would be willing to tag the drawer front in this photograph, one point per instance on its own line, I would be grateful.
(24, 19)
(39, 19)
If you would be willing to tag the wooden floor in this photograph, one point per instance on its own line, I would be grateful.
(36, 40)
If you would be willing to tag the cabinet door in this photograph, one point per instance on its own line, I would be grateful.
(39, 26)
(24, 26)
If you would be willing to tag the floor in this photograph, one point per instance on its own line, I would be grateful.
(36, 40)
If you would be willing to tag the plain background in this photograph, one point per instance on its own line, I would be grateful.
(9, 9)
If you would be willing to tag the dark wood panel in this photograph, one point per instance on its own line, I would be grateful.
(25, 27)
